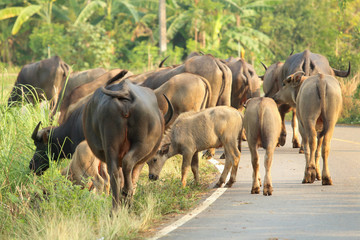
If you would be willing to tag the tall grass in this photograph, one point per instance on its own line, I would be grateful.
(351, 104)
(51, 207)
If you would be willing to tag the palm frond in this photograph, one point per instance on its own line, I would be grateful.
(88, 11)
(24, 15)
(10, 12)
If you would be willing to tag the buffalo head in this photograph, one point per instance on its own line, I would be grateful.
(40, 161)
(156, 164)
(291, 85)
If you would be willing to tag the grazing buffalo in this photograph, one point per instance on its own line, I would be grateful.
(186, 91)
(318, 102)
(207, 66)
(85, 165)
(245, 82)
(196, 131)
(123, 127)
(72, 100)
(308, 62)
(61, 141)
(262, 123)
(41, 80)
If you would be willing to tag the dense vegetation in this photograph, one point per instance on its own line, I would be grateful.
(123, 33)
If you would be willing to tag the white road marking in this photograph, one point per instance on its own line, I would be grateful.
(197, 210)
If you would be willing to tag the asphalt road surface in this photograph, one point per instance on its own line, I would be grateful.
(295, 210)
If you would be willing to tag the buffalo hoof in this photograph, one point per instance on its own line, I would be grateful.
(222, 156)
(326, 181)
(301, 150)
(296, 144)
(218, 185)
(310, 176)
(229, 184)
(268, 190)
(255, 190)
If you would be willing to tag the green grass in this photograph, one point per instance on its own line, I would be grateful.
(51, 207)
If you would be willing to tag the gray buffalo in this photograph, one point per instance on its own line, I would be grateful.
(308, 62)
(262, 124)
(123, 127)
(318, 102)
(85, 165)
(197, 131)
(77, 96)
(186, 91)
(212, 69)
(41, 80)
(245, 82)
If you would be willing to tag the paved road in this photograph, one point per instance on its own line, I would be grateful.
(295, 210)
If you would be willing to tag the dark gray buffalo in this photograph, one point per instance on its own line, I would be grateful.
(245, 82)
(61, 141)
(41, 80)
(123, 127)
(308, 62)
(78, 95)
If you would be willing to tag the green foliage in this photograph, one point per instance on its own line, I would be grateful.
(90, 47)
(49, 36)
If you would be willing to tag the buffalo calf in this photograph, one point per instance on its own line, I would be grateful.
(193, 132)
(262, 123)
(85, 165)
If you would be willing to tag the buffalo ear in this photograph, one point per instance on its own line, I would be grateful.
(297, 76)
(164, 149)
(45, 136)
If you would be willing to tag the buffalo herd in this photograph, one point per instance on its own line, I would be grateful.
(113, 122)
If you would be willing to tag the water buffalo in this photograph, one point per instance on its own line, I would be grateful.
(308, 62)
(196, 131)
(186, 91)
(262, 123)
(318, 102)
(41, 80)
(207, 66)
(61, 141)
(85, 165)
(245, 82)
(71, 101)
(123, 127)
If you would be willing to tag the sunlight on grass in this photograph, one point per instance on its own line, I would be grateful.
(51, 207)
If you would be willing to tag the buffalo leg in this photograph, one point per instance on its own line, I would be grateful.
(256, 175)
(283, 109)
(294, 125)
(326, 178)
(187, 157)
(235, 153)
(116, 176)
(317, 157)
(311, 144)
(267, 191)
(195, 166)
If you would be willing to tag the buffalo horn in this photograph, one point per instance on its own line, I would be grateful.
(162, 62)
(35, 132)
(264, 65)
(169, 114)
(292, 52)
(341, 73)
